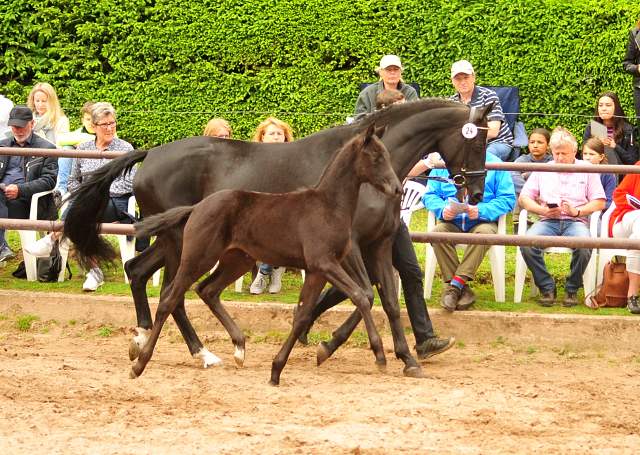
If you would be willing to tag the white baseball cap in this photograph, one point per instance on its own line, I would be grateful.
(390, 60)
(461, 66)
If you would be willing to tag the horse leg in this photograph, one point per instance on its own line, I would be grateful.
(336, 275)
(140, 269)
(186, 271)
(232, 266)
(309, 293)
(378, 258)
(355, 268)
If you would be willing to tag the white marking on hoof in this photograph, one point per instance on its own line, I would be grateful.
(210, 360)
(132, 375)
(142, 338)
(238, 357)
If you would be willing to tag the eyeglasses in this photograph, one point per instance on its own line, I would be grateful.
(105, 126)
(223, 136)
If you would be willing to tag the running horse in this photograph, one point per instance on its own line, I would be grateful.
(314, 228)
(184, 172)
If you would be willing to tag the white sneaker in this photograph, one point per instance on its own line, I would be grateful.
(95, 279)
(259, 284)
(276, 280)
(42, 248)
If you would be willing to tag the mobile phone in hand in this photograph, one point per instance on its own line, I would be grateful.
(552, 205)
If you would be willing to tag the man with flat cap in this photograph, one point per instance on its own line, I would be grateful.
(499, 137)
(23, 176)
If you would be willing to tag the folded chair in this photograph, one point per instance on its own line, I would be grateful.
(509, 97)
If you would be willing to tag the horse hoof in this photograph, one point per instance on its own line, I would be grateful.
(132, 374)
(414, 372)
(273, 383)
(322, 352)
(382, 367)
(238, 357)
(134, 350)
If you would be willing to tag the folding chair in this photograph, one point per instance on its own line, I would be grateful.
(509, 97)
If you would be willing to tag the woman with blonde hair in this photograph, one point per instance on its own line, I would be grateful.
(218, 127)
(50, 121)
(271, 130)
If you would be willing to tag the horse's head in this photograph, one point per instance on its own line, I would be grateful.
(464, 153)
(373, 165)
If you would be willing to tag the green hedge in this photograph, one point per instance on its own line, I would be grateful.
(305, 56)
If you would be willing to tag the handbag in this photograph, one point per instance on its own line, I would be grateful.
(49, 268)
(613, 290)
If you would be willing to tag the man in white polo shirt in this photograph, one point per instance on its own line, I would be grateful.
(499, 138)
(564, 201)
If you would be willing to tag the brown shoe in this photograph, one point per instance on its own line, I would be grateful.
(570, 299)
(467, 297)
(547, 299)
(451, 297)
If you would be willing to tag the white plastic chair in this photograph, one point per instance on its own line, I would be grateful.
(29, 237)
(588, 277)
(605, 255)
(496, 258)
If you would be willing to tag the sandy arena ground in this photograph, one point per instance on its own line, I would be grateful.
(66, 391)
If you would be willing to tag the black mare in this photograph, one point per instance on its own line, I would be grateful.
(184, 172)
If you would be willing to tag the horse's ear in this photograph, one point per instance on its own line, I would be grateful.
(370, 132)
(484, 112)
(380, 131)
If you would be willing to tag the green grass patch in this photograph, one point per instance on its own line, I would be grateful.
(72, 322)
(461, 344)
(3, 317)
(315, 338)
(107, 331)
(23, 323)
(359, 339)
(272, 337)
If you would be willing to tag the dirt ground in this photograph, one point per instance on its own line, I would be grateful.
(64, 389)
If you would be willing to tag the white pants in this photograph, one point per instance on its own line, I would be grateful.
(629, 227)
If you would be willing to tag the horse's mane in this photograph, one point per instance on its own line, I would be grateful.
(423, 104)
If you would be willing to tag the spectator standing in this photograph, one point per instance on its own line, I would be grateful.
(499, 198)
(499, 137)
(5, 108)
(271, 130)
(625, 223)
(631, 65)
(390, 72)
(50, 120)
(21, 177)
(563, 200)
(621, 135)
(218, 127)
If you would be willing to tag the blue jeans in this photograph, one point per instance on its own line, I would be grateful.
(64, 169)
(579, 260)
(266, 269)
(500, 150)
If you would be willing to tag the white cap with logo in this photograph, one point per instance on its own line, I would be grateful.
(461, 66)
(390, 60)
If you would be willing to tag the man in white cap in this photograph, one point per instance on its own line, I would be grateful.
(390, 71)
(499, 138)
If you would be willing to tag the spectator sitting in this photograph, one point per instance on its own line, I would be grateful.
(499, 137)
(538, 153)
(593, 152)
(499, 198)
(23, 176)
(50, 120)
(69, 141)
(271, 130)
(566, 201)
(5, 107)
(218, 127)
(103, 122)
(621, 138)
(625, 223)
(390, 71)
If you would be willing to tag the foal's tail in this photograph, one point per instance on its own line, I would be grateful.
(156, 224)
(85, 215)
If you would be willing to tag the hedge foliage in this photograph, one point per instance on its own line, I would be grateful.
(305, 56)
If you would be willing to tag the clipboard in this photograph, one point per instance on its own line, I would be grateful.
(598, 130)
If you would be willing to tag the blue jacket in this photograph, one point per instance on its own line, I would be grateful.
(499, 197)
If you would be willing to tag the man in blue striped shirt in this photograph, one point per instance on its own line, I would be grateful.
(499, 138)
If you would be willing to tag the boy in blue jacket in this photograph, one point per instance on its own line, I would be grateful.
(499, 198)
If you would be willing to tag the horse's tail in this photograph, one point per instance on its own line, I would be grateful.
(156, 224)
(82, 224)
